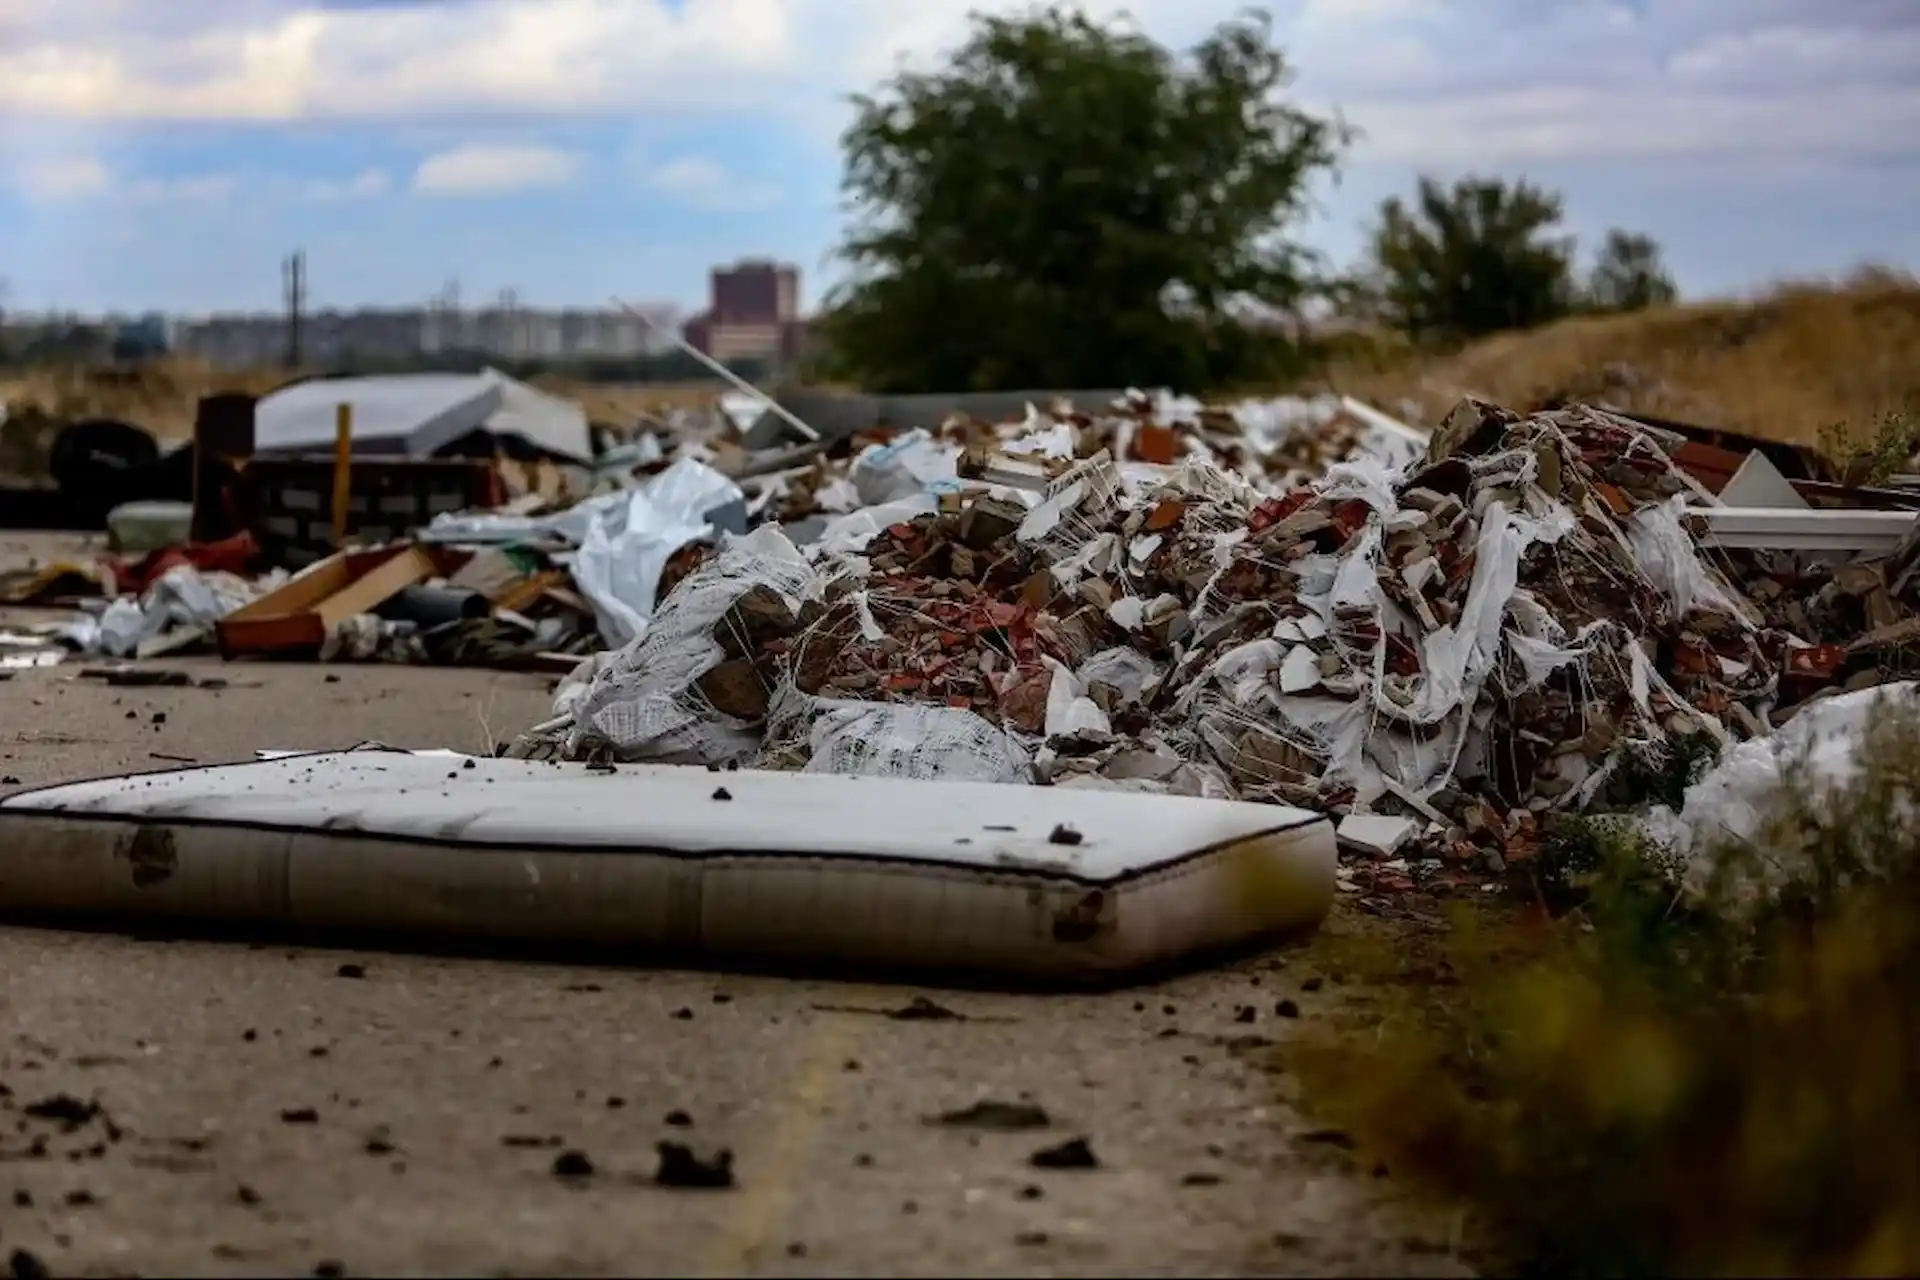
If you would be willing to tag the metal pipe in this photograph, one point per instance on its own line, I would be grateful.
(739, 384)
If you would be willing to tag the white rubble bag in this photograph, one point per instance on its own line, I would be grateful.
(1731, 804)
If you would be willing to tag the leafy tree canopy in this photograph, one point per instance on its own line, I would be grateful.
(1629, 275)
(1068, 204)
(1472, 259)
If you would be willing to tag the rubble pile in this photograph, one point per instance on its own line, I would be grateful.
(581, 560)
(1518, 622)
(1441, 638)
(1861, 617)
(1484, 638)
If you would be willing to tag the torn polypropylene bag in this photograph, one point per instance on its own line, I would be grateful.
(1669, 558)
(183, 596)
(695, 686)
(893, 740)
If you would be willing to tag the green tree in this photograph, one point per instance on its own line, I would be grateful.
(1070, 204)
(1473, 259)
(1629, 275)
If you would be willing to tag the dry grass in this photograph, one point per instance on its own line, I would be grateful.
(1782, 366)
(159, 396)
(1645, 1088)
(622, 403)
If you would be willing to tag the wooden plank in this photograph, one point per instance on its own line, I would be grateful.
(342, 471)
(410, 567)
(522, 592)
(299, 614)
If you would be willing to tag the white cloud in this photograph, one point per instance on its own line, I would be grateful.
(265, 60)
(368, 184)
(62, 179)
(78, 178)
(199, 188)
(1439, 82)
(705, 184)
(482, 169)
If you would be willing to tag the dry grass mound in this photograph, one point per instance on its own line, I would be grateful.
(159, 396)
(625, 403)
(1784, 366)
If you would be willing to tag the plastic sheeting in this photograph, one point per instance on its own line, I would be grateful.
(624, 539)
(913, 464)
(1668, 557)
(849, 534)
(630, 536)
(182, 597)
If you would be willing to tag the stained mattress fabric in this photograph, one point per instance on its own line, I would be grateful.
(1024, 881)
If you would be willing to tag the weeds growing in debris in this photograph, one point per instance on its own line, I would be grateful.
(1721, 1081)
(1877, 454)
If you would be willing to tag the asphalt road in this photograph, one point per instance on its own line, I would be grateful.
(260, 1113)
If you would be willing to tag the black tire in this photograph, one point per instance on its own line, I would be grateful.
(85, 453)
(99, 463)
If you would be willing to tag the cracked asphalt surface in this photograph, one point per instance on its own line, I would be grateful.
(195, 1107)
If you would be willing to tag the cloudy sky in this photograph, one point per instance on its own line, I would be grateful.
(166, 153)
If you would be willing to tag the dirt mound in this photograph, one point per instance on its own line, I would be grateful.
(1782, 366)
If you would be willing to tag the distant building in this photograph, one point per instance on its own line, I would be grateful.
(753, 314)
(407, 333)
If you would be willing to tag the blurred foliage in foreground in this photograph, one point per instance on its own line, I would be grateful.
(1652, 1083)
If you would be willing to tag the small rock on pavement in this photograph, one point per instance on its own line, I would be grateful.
(1074, 1153)
(64, 1109)
(1001, 1117)
(681, 1166)
(572, 1164)
(921, 1009)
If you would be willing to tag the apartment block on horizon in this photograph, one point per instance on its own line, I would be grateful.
(753, 314)
(507, 333)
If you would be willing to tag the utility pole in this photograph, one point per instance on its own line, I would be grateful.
(293, 275)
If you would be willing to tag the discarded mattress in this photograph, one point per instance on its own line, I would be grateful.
(1037, 882)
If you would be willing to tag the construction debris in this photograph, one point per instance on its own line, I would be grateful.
(570, 561)
(1444, 640)
(1444, 648)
